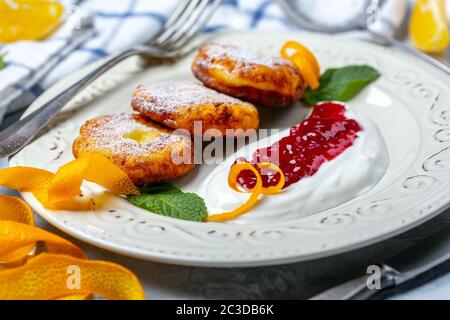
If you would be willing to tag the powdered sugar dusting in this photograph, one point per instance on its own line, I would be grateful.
(108, 133)
(169, 96)
(242, 57)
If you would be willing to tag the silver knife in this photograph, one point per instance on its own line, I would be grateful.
(399, 269)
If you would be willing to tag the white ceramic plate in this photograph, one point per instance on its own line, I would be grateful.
(410, 104)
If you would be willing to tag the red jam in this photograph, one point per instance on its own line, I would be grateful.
(323, 136)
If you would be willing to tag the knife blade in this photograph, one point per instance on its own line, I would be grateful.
(407, 265)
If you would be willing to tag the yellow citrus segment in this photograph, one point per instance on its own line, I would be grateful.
(14, 209)
(49, 276)
(15, 235)
(95, 168)
(428, 26)
(291, 48)
(28, 19)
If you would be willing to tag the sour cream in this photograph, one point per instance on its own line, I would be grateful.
(354, 172)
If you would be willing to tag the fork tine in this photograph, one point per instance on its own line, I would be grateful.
(177, 23)
(174, 16)
(189, 33)
(191, 21)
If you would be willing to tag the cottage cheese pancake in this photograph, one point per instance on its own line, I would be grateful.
(179, 104)
(142, 148)
(263, 80)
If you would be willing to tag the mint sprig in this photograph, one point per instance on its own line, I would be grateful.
(160, 188)
(341, 84)
(168, 200)
(2, 60)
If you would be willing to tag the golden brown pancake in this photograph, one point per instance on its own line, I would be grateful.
(142, 148)
(263, 80)
(178, 104)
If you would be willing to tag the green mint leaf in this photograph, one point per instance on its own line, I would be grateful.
(2, 60)
(168, 200)
(161, 187)
(341, 84)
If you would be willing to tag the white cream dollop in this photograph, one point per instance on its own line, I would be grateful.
(352, 173)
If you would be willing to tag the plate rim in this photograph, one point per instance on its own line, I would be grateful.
(192, 261)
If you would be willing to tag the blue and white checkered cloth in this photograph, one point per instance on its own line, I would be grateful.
(33, 66)
(94, 29)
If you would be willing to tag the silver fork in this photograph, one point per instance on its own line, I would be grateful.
(171, 41)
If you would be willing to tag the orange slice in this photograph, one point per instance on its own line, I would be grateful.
(428, 26)
(28, 19)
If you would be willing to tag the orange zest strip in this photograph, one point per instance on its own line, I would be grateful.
(50, 276)
(75, 297)
(232, 181)
(236, 169)
(277, 188)
(17, 257)
(95, 168)
(306, 70)
(298, 48)
(304, 60)
(14, 209)
(27, 179)
(55, 191)
(15, 235)
(46, 276)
